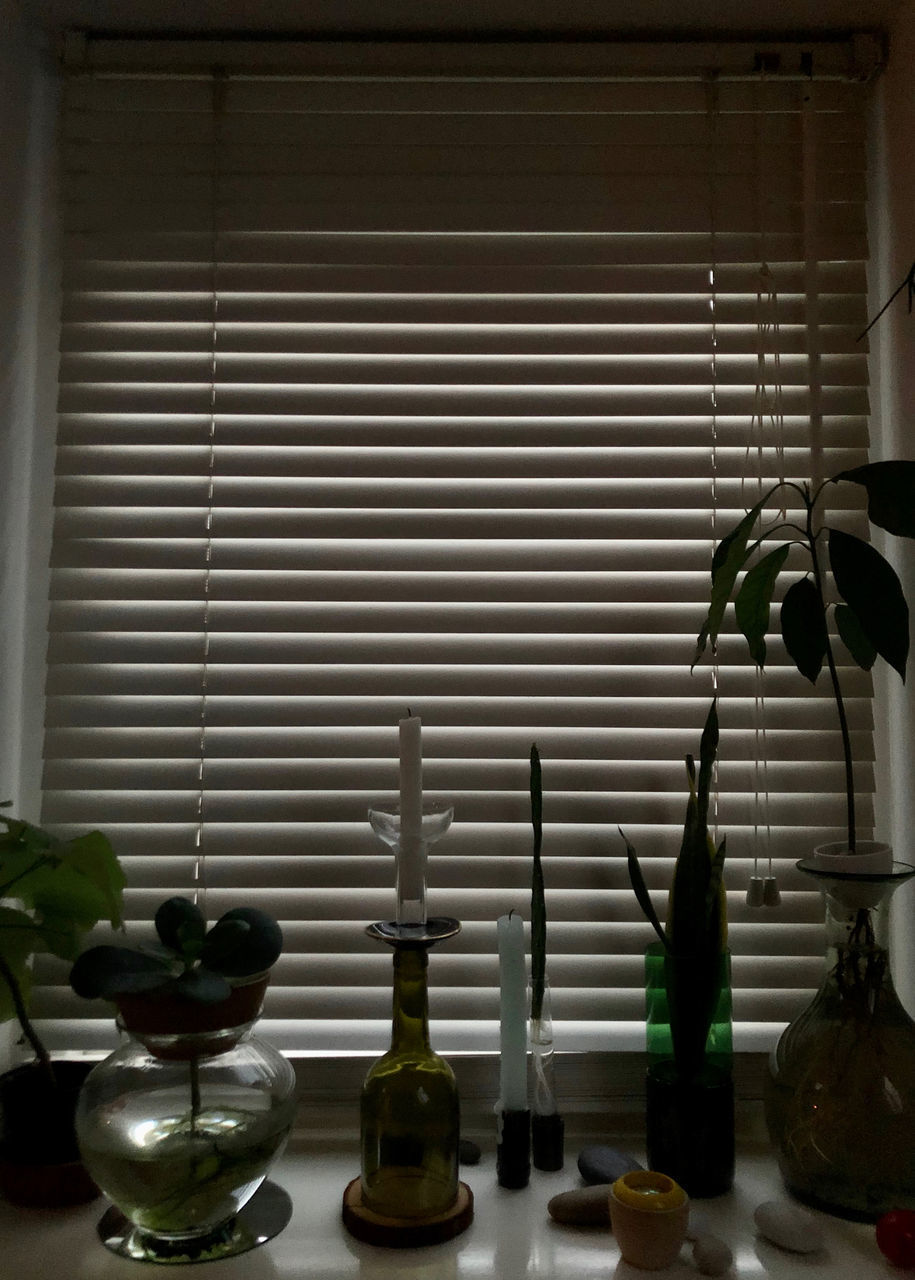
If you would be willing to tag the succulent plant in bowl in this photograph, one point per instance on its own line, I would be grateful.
(203, 977)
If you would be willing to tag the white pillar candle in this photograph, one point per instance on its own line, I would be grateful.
(411, 853)
(513, 1012)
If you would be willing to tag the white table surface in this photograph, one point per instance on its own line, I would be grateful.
(512, 1236)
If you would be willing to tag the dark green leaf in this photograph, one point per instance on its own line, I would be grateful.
(202, 985)
(180, 924)
(17, 942)
(853, 637)
(60, 890)
(890, 494)
(727, 562)
(538, 898)
(803, 623)
(92, 855)
(108, 971)
(255, 950)
(641, 892)
(870, 585)
(754, 599)
(222, 942)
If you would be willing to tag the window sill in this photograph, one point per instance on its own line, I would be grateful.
(511, 1236)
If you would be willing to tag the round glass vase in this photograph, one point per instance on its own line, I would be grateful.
(840, 1092)
(180, 1125)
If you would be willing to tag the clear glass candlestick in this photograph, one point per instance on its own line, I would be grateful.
(410, 867)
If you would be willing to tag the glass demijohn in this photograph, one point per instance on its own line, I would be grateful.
(840, 1096)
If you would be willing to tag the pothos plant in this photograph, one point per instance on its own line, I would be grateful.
(870, 614)
(694, 936)
(52, 892)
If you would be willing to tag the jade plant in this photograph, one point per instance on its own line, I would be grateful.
(52, 892)
(870, 614)
(694, 937)
(190, 961)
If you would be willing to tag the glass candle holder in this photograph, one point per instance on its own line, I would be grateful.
(410, 863)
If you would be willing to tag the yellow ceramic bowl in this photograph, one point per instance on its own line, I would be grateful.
(649, 1215)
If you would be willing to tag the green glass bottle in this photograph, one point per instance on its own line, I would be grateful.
(409, 1109)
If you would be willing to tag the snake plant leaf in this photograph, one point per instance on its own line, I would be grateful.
(854, 638)
(803, 624)
(640, 889)
(890, 494)
(538, 897)
(727, 561)
(708, 749)
(869, 584)
(754, 601)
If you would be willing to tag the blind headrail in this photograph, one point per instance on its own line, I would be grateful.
(857, 56)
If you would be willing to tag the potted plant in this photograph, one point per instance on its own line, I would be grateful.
(181, 1123)
(689, 1089)
(547, 1125)
(51, 893)
(854, 1040)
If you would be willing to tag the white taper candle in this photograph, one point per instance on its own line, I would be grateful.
(411, 859)
(513, 1013)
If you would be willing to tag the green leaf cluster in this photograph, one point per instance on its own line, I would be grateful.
(695, 934)
(190, 961)
(52, 892)
(871, 615)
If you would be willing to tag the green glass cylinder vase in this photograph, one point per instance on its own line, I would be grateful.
(689, 1088)
(840, 1093)
(410, 1114)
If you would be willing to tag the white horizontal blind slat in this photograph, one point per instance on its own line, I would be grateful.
(445, 442)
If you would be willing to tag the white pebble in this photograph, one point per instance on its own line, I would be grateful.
(711, 1255)
(788, 1227)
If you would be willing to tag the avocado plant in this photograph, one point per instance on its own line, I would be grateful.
(52, 892)
(190, 961)
(870, 615)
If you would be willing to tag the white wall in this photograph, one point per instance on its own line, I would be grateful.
(27, 394)
(893, 375)
(27, 362)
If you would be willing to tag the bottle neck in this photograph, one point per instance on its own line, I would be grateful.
(410, 1019)
(856, 920)
(857, 955)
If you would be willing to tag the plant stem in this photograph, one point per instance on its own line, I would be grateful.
(194, 1069)
(25, 1022)
(834, 677)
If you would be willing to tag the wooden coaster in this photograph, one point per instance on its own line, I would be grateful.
(400, 1233)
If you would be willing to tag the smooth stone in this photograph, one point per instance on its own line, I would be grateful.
(582, 1207)
(604, 1164)
(468, 1152)
(711, 1255)
(788, 1227)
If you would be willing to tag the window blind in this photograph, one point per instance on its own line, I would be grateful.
(434, 390)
